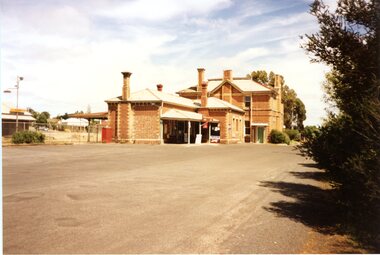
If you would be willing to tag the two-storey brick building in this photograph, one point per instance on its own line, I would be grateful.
(225, 110)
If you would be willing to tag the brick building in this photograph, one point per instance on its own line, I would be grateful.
(225, 110)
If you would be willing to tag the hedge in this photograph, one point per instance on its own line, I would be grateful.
(28, 137)
(276, 136)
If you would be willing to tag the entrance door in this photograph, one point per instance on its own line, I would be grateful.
(260, 134)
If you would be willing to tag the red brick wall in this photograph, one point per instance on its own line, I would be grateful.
(237, 98)
(226, 92)
(123, 118)
(222, 117)
(261, 102)
(112, 119)
(146, 124)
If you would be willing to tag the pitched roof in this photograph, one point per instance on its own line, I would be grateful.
(216, 103)
(244, 84)
(149, 95)
(175, 114)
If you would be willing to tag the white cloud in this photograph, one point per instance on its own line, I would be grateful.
(71, 57)
(162, 10)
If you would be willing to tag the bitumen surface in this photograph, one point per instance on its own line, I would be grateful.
(118, 198)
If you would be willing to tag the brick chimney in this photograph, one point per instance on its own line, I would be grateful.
(277, 81)
(201, 77)
(126, 85)
(227, 75)
(159, 87)
(204, 95)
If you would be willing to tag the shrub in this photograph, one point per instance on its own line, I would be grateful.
(276, 136)
(310, 132)
(28, 137)
(293, 134)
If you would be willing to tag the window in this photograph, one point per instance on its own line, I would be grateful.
(247, 100)
(247, 128)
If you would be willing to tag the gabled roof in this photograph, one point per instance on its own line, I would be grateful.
(149, 95)
(243, 84)
(216, 103)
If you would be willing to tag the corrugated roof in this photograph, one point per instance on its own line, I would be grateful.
(20, 117)
(246, 85)
(216, 103)
(174, 114)
(149, 95)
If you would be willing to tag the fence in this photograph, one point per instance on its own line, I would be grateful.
(57, 133)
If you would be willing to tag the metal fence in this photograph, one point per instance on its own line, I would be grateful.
(57, 133)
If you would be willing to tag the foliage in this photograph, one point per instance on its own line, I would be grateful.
(294, 109)
(276, 137)
(347, 145)
(310, 132)
(28, 137)
(40, 117)
(64, 116)
(260, 76)
(293, 134)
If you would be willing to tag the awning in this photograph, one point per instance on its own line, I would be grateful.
(174, 114)
(21, 117)
(259, 124)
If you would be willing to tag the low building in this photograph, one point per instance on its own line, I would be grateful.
(226, 110)
(11, 117)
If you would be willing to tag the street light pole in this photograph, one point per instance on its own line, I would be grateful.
(17, 87)
(18, 79)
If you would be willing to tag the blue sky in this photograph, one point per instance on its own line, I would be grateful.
(71, 53)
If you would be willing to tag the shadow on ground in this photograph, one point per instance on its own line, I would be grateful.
(311, 205)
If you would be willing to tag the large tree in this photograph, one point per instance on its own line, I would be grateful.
(260, 76)
(348, 144)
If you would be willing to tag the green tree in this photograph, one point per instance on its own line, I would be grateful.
(260, 76)
(271, 79)
(300, 113)
(294, 109)
(347, 145)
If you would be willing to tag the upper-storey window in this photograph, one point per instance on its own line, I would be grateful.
(247, 100)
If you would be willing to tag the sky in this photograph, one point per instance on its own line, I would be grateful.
(71, 53)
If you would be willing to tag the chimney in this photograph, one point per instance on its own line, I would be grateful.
(201, 77)
(277, 81)
(159, 87)
(227, 75)
(204, 95)
(126, 85)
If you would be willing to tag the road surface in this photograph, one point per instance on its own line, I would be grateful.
(113, 198)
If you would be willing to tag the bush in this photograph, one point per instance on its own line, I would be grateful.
(28, 137)
(276, 136)
(310, 132)
(293, 134)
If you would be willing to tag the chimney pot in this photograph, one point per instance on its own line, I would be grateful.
(204, 94)
(159, 87)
